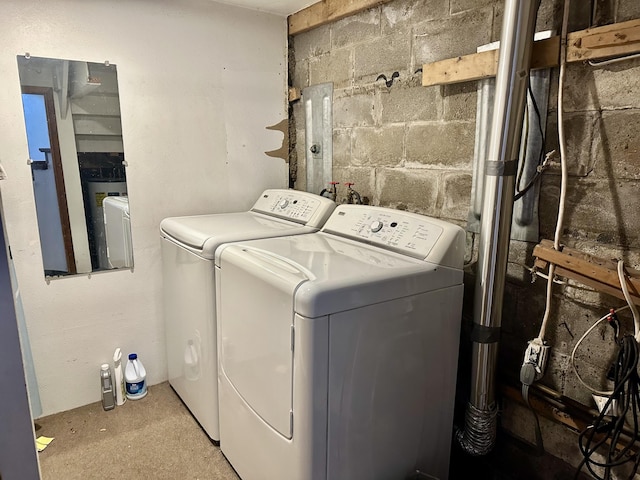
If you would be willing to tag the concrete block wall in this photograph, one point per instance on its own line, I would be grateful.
(387, 139)
(411, 147)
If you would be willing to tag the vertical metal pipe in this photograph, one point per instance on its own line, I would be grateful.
(478, 436)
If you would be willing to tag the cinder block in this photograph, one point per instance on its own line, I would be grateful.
(522, 319)
(413, 190)
(631, 256)
(299, 171)
(460, 101)
(458, 6)
(312, 43)
(557, 370)
(579, 16)
(457, 35)
(363, 178)
(362, 27)
(301, 74)
(408, 103)
(383, 55)
(403, 14)
(441, 144)
(351, 109)
(579, 133)
(336, 67)
(378, 146)
(559, 441)
(454, 195)
(610, 87)
(593, 207)
(593, 374)
(570, 319)
(549, 16)
(297, 109)
(617, 151)
(520, 258)
(575, 291)
(496, 22)
(627, 10)
(342, 147)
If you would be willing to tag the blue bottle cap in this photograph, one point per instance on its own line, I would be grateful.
(133, 356)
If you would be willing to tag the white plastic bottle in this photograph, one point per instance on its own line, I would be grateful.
(118, 378)
(135, 378)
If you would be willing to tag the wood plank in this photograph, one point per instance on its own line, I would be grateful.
(546, 53)
(461, 69)
(600, 42)
(327, 11)
(477, 66)
(621, 37)
(614, 40)
(598, 273)
(600, 287)
(294, 94)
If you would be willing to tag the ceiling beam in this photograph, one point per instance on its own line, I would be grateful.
(327, 11)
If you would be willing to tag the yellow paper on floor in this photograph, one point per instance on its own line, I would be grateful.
(43, 442)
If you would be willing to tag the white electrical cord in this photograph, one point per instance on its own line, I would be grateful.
(627, 297)
(563, 165)
(636, 325)
(575, 348)
(613, 60)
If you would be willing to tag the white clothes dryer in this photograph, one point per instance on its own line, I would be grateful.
(188, 247)
(338, 349)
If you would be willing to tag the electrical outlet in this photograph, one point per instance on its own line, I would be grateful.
(537, 354)
(601, 402)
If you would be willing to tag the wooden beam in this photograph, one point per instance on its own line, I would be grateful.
(485, 64)
(595, 272)
(327, 11)
(294, 94)
(563, 410)
(601, 42)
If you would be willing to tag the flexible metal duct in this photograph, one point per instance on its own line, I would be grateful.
(478, 435)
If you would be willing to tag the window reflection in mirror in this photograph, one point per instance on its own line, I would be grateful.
(74, 134)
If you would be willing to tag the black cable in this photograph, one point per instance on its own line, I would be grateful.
(539, 446)
(604, 435)
(521, 192)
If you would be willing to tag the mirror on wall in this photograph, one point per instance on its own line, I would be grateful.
(76, 156)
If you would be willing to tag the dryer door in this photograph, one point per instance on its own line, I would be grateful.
(255, 311)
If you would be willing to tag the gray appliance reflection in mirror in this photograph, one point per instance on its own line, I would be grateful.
(74, 134)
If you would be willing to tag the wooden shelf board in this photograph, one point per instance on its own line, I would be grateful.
(592, 271)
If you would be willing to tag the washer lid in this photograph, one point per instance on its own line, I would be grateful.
(204, 233)
(343, 274)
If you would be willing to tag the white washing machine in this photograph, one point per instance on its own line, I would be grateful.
(338, 349)
(117, 228)
(188, 247)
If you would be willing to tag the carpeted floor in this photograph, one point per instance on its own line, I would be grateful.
(155, 437)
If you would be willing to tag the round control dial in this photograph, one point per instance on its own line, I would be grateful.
(284, 203)
(376, 226)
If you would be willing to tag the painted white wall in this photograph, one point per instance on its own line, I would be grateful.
(199, 82)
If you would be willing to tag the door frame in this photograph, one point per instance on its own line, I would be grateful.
(58, 171)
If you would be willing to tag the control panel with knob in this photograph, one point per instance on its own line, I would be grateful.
(376, 226)
(403, 232)
(291, 204)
